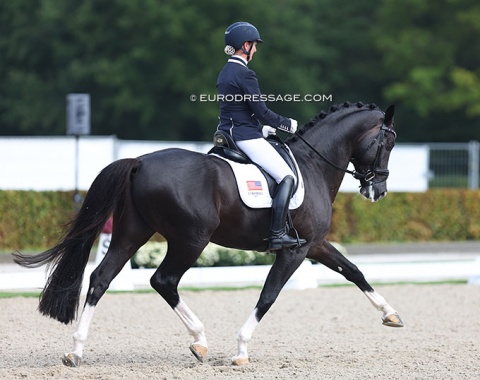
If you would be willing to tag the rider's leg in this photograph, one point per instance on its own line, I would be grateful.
(278, 235)
(261, 152)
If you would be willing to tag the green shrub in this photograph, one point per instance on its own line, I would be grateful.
(33, 220)
(435, 215)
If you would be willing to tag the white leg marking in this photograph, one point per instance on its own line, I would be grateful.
(80, 335)
(192, 323)
(243, 337)
(380, 303)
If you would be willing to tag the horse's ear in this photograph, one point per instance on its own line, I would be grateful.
(389, 115)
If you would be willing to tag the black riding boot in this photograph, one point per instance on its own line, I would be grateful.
(281, 200)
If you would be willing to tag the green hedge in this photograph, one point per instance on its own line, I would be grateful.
(34, 220)
(436, 215)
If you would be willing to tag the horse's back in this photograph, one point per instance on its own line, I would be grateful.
(177, 180)
(174, 168)
(170, 154)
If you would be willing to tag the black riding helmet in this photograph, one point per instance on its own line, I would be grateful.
(237, 33)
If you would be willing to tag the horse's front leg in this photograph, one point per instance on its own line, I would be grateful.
(328, 255)
(286, 263)
(390, 317)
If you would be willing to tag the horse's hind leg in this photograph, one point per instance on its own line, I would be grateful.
(180, 257)
(286, 263)
(129, 234)
(329, 256)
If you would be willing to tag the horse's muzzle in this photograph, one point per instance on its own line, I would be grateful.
(373, 192)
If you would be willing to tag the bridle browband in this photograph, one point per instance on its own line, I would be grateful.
(373, 170)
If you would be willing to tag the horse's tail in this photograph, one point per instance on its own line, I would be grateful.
(68, 259)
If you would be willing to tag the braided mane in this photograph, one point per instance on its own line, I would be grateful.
(353, 107)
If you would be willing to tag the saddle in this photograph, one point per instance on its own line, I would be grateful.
(224, 146)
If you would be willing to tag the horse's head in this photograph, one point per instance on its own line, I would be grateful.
(365, 139)
(371, 157)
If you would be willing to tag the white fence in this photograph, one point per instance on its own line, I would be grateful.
(376, 268)
(50, 163)
(454, 165)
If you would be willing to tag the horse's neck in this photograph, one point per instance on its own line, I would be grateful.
(317, 170)
(336, 143)
(335, 138)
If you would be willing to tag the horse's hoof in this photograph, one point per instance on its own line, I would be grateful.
(393, 320)
(199, 351)
(240, 361)
(71, 360)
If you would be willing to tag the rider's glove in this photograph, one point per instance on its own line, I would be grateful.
(293, 126)
(267, 130)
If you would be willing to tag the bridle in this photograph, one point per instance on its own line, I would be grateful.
(373, 170)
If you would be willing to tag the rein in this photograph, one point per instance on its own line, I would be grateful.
(370, 174)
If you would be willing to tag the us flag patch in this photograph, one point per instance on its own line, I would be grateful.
(254, 185)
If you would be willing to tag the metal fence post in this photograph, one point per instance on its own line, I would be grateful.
(473, 155)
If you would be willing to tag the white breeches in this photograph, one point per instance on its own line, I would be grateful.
(261, 152)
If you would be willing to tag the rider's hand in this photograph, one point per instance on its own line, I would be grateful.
(267, 131)
(293, 126)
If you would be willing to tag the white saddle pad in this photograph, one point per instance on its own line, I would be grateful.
(253, 188)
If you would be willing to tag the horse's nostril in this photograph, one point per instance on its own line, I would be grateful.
(382, 195)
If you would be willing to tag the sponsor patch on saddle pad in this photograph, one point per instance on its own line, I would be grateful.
(253, 187)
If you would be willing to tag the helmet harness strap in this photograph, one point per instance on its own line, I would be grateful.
(249, 50)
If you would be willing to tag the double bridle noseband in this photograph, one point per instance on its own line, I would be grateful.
(369, 174)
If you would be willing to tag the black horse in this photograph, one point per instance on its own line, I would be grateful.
(191, 198)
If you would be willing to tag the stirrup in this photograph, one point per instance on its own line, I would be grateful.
(277, 242)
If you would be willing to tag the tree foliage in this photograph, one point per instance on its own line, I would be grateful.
(434, 64)
(141, 60)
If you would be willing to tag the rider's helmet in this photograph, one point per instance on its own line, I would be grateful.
(237, 33)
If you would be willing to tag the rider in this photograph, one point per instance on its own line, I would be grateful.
(241, 113)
